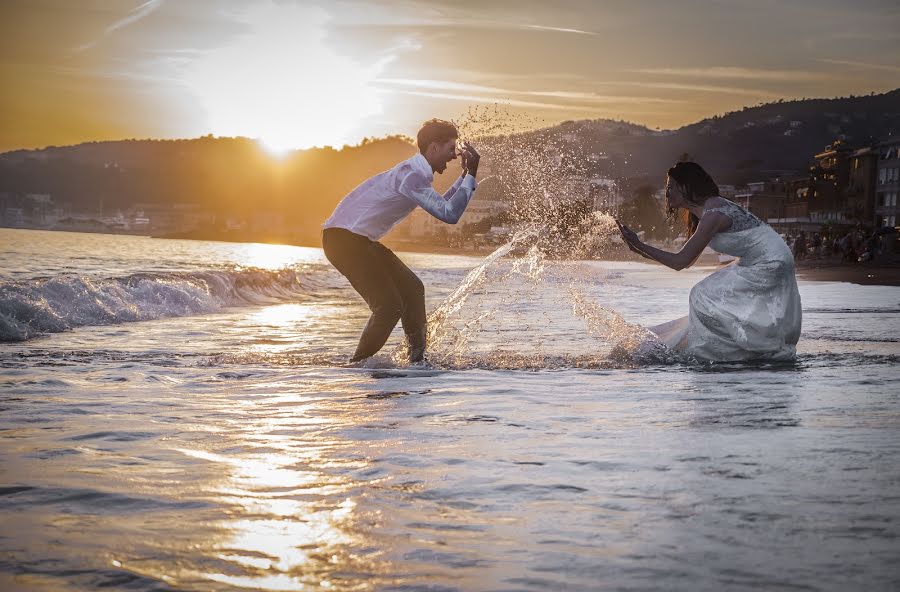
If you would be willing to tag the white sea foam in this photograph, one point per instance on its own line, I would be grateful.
(33, 307)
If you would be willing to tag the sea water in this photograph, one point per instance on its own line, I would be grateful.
(180, 415)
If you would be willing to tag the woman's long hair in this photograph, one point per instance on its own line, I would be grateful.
(696, 185)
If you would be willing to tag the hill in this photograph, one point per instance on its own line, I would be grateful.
(235, 177)
(227, 176)
(736, 147)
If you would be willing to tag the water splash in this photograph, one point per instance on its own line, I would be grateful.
(502, 315)
(557, 222)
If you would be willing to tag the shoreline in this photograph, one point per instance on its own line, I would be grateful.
(885, 273)
(865, 274)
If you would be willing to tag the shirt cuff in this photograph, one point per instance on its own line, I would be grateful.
(470, 182)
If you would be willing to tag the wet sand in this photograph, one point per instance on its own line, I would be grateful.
(865, 274)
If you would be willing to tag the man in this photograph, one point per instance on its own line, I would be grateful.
(350, 236)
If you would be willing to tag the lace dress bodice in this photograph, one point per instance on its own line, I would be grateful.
(749, 238)
(741, 219)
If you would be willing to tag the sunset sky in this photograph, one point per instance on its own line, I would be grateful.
(298, 74)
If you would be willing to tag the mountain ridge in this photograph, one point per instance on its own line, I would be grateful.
(235, 176)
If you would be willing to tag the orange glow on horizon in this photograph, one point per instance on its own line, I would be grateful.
(268, 85)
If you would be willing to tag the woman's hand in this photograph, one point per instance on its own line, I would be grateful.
(628, 235)
(632, 240)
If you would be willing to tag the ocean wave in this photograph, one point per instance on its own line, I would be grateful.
(30, 308)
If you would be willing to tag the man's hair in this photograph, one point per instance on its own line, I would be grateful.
(435, 130)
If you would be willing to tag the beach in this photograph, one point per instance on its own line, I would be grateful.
(867, 274)
(180, 415)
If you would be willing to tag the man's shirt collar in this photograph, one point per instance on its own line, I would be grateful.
(420, 162)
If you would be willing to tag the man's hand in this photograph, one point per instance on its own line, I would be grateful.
(470, 159)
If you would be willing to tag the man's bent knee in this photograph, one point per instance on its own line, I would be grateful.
(416, 287)
(391, 310)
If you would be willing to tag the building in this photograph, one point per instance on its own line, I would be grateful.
(795, 209)
(158, 218)
(887, 186)
(728, 191)
(783, 203)
(764, 199)
(12, 217)
(842, 185)
(828, 177)
(859, 194)
(796, 199)
(29, 210)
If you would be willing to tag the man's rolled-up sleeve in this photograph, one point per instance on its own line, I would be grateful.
(448, 208)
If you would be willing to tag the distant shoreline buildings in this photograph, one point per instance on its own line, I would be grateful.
(845, 187)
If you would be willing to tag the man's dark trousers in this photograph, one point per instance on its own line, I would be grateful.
(392, 291)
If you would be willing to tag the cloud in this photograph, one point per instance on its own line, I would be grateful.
(438, 84)
(148, 7)
(376, 16)
(585, 97)
(735, 72)
(137, 14)
(865, 65)
(731, 90)
(559, 30)
(483, 99)
(594, 97)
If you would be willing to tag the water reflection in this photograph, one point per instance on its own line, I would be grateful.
(748, 399)
(283, 316)
(288, 490)
(265, 256)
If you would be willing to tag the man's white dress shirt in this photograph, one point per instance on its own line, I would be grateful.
(380, 202)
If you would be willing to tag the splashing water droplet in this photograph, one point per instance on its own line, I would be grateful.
(535, 284)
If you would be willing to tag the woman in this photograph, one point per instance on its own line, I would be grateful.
(748, 310)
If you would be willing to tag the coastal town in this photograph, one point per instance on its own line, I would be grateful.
(845, 204)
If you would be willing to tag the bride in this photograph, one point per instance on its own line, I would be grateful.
(747, 310)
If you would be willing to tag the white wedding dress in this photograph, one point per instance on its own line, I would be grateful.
(748, 310)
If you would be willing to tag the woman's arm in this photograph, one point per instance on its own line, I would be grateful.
(710, 224)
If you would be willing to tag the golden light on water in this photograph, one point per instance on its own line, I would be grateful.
(271, 257)
(277, 539)
(283, 316)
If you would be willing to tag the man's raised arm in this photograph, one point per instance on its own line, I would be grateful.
(446, 209)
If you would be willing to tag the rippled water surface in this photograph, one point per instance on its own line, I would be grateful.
(179, 415)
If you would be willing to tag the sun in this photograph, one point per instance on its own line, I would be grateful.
(278, 148)
(280, 82)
